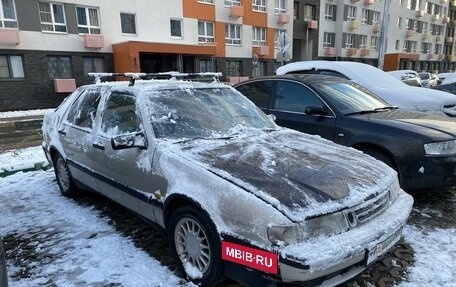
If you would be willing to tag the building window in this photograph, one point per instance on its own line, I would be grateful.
(233, 68)
(329, 39)
(261, 69)
(233, 34)
(397, 44)
(309, 12)
(362, 41)
(59, 67)
(374, 42)
(330, 12)
(232, 3)
(375, 17)
(205, 32)
(93, 65)
(206, 65)
(364, 16)
(399, 22)
(438, 49)
(296, 12)
(280, 6)
(258, 36)
(206, 1)
(425, 48)
(8, 14)
(409, 46)
(349, 40)
(176, 27)
(52, 17)
(349, 13)
(11, 67)
(259, 5)
(128, 23)
(88, 22)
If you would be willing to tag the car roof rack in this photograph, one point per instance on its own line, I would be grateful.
(157, 76)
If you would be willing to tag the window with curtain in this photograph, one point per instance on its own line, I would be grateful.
(11, 67)
(8, 17)
(93, 65)
(52, 17)
(88, 21)
(205, 32)
(128, 23)
(59, 67)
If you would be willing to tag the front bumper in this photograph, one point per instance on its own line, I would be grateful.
(335, 259)
(436, 172)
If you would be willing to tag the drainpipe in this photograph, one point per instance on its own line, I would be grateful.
(383, 36)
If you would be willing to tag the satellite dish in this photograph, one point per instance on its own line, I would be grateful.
(283, 42)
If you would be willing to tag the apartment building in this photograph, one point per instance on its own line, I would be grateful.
(48, 47)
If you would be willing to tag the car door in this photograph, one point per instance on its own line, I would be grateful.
(76, 136)
(124, 175)
(289, 105)
(258, 92)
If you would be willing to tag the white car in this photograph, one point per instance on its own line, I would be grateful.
(428, 80)
(380, 83)
(408, 77)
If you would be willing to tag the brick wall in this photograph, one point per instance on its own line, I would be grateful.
(36, 90)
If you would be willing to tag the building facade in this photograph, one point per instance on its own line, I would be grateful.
(47, 48)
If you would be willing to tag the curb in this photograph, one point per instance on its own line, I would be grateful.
(25, 167)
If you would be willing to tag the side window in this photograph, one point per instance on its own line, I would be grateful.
(294, 97)
(120, 115)
(257, 92)
(83, 111)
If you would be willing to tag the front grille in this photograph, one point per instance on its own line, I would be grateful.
(372, 207)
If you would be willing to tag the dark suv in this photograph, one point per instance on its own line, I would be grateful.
(421, 147)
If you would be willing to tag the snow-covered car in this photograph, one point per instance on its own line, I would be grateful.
(3, 274)
(408, 77)
(344, 112)
(380, 83)
(238, 196)
(428, 80)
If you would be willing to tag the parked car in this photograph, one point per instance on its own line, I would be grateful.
(380, 83)
(3, 273)
(428, 80)
(450, 87)
(238, 195)
(419, 146)
(442, 77)
(408, 77)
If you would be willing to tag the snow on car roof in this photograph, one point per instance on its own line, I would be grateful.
(449, 78)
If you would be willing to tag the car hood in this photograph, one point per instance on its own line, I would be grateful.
(438, 127)
(299, 174)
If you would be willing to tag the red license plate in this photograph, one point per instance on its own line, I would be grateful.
(250, 257)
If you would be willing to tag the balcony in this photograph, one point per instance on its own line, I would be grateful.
(261, 50)
(9, 36)
(453, 22)
(443, 1)
(375, 28)
(449, 39)
(451, 58)
(430, 56)
(330, 51)
(353, 24)
(312, 24)
(93, 41)
(438, 38)
(420, 13)
(425, 35)
(445, 20)
(368, 2)
(283, 18)
(435, 17)
(364, 52)
(352, 52)
(64, 85)
(409, 33)
(440, 57)
(236, 11)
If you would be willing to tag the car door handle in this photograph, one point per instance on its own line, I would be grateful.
(98, 146)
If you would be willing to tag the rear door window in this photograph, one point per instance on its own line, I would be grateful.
(294, 97)
(83, 111)
(120, 115)
(258, 92)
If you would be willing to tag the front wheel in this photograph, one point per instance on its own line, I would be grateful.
(196, 246)
(64, 179)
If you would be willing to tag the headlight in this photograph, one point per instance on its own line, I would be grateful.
(394, 190)
(334, 223)
(441, 148)
(282, 235)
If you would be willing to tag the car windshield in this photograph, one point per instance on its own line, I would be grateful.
(202, 113)
(350, 98)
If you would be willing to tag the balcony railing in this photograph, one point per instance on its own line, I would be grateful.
(353, 24)
(425, 35)
(368, 2)
(236, 11)
(283, 18)
(64, 85)
(9, 36)
(93, 41)
(449, 39)
(364, 52)
(312, 24)
(438, 38)
(435, 17)
(330, 51)
(409, 33)
(375, 28)
(420, 13)
(261, 50)
(352, 52)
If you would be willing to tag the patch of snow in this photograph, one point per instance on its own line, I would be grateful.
(421, 170)
(22, 159)
(192, 271)
(21, 113)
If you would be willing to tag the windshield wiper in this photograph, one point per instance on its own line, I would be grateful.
(362, 112)
(386, 108)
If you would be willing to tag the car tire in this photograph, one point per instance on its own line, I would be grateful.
(64, 179)
(195, 245)
(3, 274)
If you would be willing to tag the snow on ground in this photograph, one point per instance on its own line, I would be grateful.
(87, 251)
(13, 114)
(22, 159)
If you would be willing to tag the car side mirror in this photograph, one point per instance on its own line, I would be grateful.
(315, 110)
(272, 117)
(131, 140)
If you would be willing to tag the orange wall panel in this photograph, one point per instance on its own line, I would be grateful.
(195, 10)
(220, 39)
(391, 62)
(253, 18)
(270, 33)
